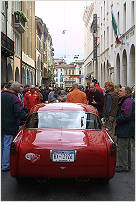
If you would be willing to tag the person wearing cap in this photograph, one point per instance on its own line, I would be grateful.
(76, 96)
(12, 113)
(31, 98)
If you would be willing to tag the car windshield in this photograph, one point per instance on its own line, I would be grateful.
(63, 119)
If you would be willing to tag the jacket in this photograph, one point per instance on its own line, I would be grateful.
(110, 104)
(76, 96)
(98, 97)
(125, 118)
(99, 88)
(31, 99)
(11, 112)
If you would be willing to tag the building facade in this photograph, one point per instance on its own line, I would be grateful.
(7, 41)
(88, 44)
(59, 72)
(115, 61)
(79, 72)
(17, 26)
(44, 60)
(28, 45)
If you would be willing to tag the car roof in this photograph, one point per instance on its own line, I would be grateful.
(64, 106)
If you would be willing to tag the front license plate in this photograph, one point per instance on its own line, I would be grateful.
(62, 156)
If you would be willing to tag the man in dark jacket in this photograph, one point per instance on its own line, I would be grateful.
(11, 114)
(125, 129)
(96, 98)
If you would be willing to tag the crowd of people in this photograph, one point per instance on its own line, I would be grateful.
(115, 105)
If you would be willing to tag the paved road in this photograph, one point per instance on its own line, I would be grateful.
(120, 188)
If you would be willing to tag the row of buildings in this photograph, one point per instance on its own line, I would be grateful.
(27, 49)
(26, 45)
(115, 58)
(66, 74)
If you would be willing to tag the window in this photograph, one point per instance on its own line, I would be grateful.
(69, 71)
(132, 13)
(17, 5)
(63, 119)
(101, 15)
(104, 9)
(3, 7)
(118, 19)
(38, 43)
(79, 71)
(101, 43)
(17, 45)
(73, 72)
(108, 36)
(124, 18)
(104, 40)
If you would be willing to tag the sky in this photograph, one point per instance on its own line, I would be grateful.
(64, 15)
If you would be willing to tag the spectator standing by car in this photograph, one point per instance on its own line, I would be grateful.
(9, 84)
(97, 86)
(26, 88)
(110, 108)
(39, 93)
(21, 95)
(125, 128)
(96, 98)
(45, 93)
(86, 91)
(76, 96)
(31, 98)
(11, 113)
(51, 94)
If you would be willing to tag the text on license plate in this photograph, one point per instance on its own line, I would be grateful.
(63, 156)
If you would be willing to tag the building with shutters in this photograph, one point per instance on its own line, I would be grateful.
(115, 61)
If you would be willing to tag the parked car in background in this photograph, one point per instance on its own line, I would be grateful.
(63, 140)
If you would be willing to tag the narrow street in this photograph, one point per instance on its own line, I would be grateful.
(67, 90)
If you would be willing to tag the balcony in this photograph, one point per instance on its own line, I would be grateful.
(7, 45)
(20, 19)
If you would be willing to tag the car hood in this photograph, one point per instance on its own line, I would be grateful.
(61, 137)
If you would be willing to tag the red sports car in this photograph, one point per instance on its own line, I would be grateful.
(63, 140)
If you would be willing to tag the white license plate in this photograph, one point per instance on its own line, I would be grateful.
(63, 156)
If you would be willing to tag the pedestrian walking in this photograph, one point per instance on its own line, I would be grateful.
(96, 98)
(125, 129)
(110, 108)
(11, 113)
(31, 98)
(76, 96)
